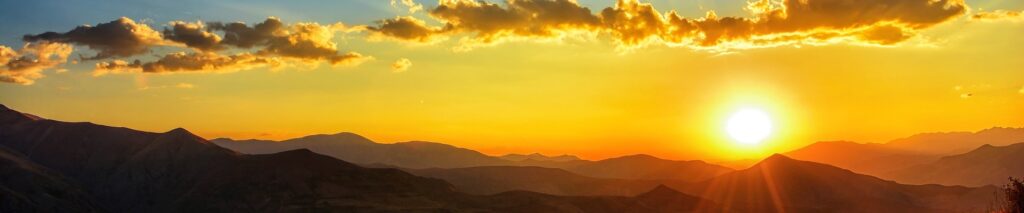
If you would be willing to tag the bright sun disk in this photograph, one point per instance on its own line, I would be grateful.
(749, 126)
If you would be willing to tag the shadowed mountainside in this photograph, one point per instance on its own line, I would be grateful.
(125, 170)
(26, 185)
(419, 155)
(986, 165)
(496, 179)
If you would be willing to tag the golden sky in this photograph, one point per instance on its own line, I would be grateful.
(592, 78)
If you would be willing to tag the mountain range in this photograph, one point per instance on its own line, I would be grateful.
(539, 157)
(776, 184)
(85, 167)
(421, 155)
(938, 158)
(986, 165)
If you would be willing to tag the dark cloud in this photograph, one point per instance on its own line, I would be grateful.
(24, 66)
(405, 28)
(188, 62)
(119, 38)
(240, 35)
(268, 43)
(193, 35)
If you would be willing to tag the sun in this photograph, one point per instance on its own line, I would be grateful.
(749, 126)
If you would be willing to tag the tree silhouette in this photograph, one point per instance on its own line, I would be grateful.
(1014, 197)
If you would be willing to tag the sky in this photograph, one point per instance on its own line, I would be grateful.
(596, 79)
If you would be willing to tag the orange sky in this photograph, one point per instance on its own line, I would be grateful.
(596, 83)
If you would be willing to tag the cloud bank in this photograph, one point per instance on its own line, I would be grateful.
(126, 46)
(268, 43)
(632, 23)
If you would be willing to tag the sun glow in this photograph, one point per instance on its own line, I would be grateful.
(749, 126)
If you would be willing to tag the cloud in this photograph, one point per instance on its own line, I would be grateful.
(310, 42)
(119, 38)
(632, 23)
(193, 35)
(401, 65)
(406, 28)
(268, 43)
(188, 62)
(185, 86)
(26, 65)
(490, 23)
(999, 15)
(1021, 91)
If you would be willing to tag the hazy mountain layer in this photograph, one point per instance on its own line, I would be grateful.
(419, 155)
(986, 165)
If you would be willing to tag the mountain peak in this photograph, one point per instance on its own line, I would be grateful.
(181, 133)
(346, 137)
(661, 191)
(776, 158)
(639, 157)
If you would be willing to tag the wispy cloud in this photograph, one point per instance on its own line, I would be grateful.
(999, 15)
(401, 65)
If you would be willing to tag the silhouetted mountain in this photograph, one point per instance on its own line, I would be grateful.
(871, 159)
(357, 149)
(948, 143)
(418, 155)
(539, 157)
(781, 184)
(658, 200)
(125, 170)
(497, 179)
(646, 167)
(27, 186)
(983, 166)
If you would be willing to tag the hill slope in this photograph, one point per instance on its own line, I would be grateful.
(26, 185)
(870, 159)
(780, 183)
